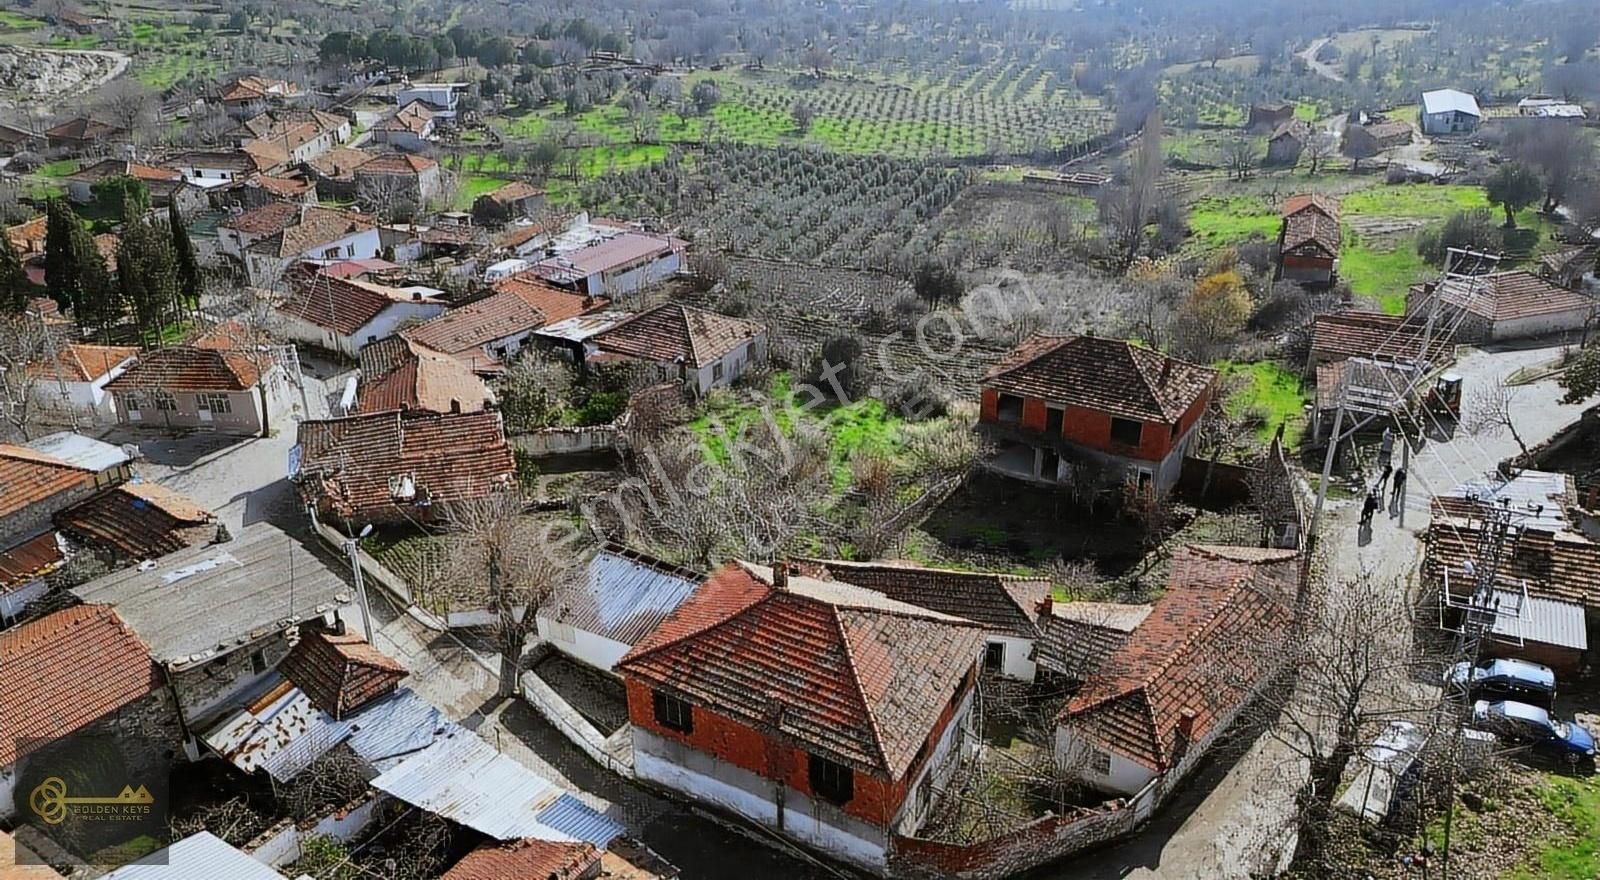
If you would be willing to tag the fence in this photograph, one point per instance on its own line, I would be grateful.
(281, 844)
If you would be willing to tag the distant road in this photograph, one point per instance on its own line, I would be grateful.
(1309, 56)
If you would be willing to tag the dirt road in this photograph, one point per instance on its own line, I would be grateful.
(1309, 56)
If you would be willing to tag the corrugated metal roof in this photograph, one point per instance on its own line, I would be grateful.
(1542, 620)
(576, 818)
(463, 779)
(1537, 497)
(623, 595)
(201, 857)
(395, 727)
(76, 449)
(1450, 101)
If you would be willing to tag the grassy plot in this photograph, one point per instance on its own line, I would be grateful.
(472, 186)
(860, 426)
(1273, 391)
(1573, 851)
(1221, 221)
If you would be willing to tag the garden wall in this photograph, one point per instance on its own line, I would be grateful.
(567, 441)
(280, 845)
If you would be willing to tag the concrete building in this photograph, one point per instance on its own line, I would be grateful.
(72, 386)
(827, 713)
(282, 236)
(622, 596)
(342, 315)
(1503, 305)
(621, 263)
(1065, 408)
(701, 350)
(194, 388)
(1448, 111)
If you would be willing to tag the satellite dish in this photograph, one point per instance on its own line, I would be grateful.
(366, 530)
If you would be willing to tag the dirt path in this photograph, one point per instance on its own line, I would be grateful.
(1309, 56)
(48, 100)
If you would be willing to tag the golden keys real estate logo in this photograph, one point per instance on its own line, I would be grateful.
(52, 803)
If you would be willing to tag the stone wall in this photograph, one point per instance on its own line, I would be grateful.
(207, 688)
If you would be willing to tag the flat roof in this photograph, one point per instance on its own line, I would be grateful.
(76, 449)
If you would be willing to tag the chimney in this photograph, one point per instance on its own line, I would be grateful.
(780, 575)
(1186, 722)
(455, 406)
(1045, 606)
(1166, 370)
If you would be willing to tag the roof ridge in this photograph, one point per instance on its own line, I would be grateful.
(1056, 343)
(860, 690)
(631, 657)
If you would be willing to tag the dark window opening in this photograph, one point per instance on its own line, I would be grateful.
(673, 713)
(1126, 432)
(832, 781)
(1010, 409)
(1174, 430)
(1053, 420)
(258, 663)
(994, 657)
(1050, 466)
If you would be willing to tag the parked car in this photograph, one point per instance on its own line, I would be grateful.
(1530, 725)
(1505, 679)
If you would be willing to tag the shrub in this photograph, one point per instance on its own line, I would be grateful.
(843, 355)
(1476, 229)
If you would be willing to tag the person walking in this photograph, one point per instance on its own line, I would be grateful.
(1386, 447)
(1369, 507)
(1383, 481)
(1399, 486)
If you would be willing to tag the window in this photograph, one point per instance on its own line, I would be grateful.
(1126, 432)
(217, 403)
(1053, 421)
(129, 401)
(994, 657)
(673, 713)
(331, 254)
(349, 250)
(165, 402)
(716, 371)
(258, 662)
(1009, 409)
(832, 781)
(1099, 762)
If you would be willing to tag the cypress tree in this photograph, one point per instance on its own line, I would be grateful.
(97, 302)
(62, 274)
(189, 278)
(14, 286)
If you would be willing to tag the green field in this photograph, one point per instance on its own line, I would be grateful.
(1574, 853)
(1271, 390)
(473, 186)
(1227, 220)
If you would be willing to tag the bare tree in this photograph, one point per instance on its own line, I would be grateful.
(253, 332)
(129, 103)
(1320, 147)
(25, 343)
(1239, 156)
(1125, 209)
(330, 782)
(495, 558)
(1490, 410)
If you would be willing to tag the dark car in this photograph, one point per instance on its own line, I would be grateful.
(1530, 725)
(1505, 679)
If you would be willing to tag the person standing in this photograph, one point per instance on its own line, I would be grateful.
(1369, 507)
(1399, 486)
(1386, 447)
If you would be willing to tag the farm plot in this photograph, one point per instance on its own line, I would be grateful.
(791, 203)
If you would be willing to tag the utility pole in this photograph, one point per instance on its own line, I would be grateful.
(1327, 472)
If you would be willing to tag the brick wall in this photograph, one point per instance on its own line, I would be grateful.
(1092, 428)
(1043, 840)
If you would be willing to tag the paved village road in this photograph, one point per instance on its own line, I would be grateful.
(1235, 820)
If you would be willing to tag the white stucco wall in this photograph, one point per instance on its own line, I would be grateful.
(585, 647)
(264, 269)
(633, 280)
(1016, 665)
(734, 363)
(941, 765)
(1125, 776)
(15, 599)
(1540, 325)
(383, 325)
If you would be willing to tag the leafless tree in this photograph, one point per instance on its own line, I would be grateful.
(253, 330)
(25, 343)
(496, 559)
(1320, 147)
(330, 782)
(1239, 156)
(392, 197)
(234, 820)
(129, 103)
(1126, 208)
(1492, 409)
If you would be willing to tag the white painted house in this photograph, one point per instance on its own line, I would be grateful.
(1449, 111)
(622, 596)
(441, 98)
(342, 315)
(72, 385)
(699, 349)
(1504, 305)
(306, 232)
(621, 263)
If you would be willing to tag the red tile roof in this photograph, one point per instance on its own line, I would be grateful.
(672, 331)
(349, 464)
(139, 521)
(188, 368)
(397, 163)
(413, 117)
(282, 187)
(1311, 229)
(1325, 205)
(106, 168)
(848, 673)
(1564, 566)
(28, 477)
(63, 671)
(83, 362)
(1373, 335)
(28, 237)
(340, 673)
(265, 220)
(1001, 602)
(1206, 645)
(398, 374)
(30, 559)
(478, 323)
(552, 302)
(526, 860)
(82, 128)
(340, 163)
(312, 227)
(342, 305)
(1505, 296)
(1108, 375)
(514, 191)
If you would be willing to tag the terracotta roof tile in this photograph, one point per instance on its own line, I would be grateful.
(554, 303)
(1108, 375)
(281, 187)
(397, 163)
(530, 859)
(1205, 645)
(265, 220)
(1324, 205)
(1001, 602)
(1351, 334)
(187, 368)
(1079, 636)
(265, 154)
(673, 331)
(477, 323)
(342, 305)
(340, 163)
(82, 128)
(26, 561)
(28, 237)
(398, 374)
(28, 477)
(83, 362)
(1311, 229)
(848, 672)
(413, 117)
(340, 673)
(63, 671)
(107, 168)
(1553, 565)
(515, 191)
(1505, 296)
(349, 463)
(512, 236)
(309, 227)
(139, 521)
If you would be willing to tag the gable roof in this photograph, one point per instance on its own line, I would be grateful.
(1311, 229)
(1328, 206)
(846, 672)
(342, 305)
(515, 191)
(29, 235)
(340, 162)
(1299, 129)
(311, 227)
(340, 673)
(82, 128)
(623, 595)
(254, 88)
(28, 477)
(210, 600)
(1001, 602)
(1504, 296)
(188, 368)
(414, 117)
(675, 332)
(1077, 637)
(1109, 375)
(108, 168)
(265, 220)
(1206, 645)
(1450, 101)
(468, 327)
(1354, 333)
(531, 858)
(139, 521)
(84, 362)
(396, 163)
(65, 670)
(398, 374)
(349, 463)
(265, 154)
(554, 303)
